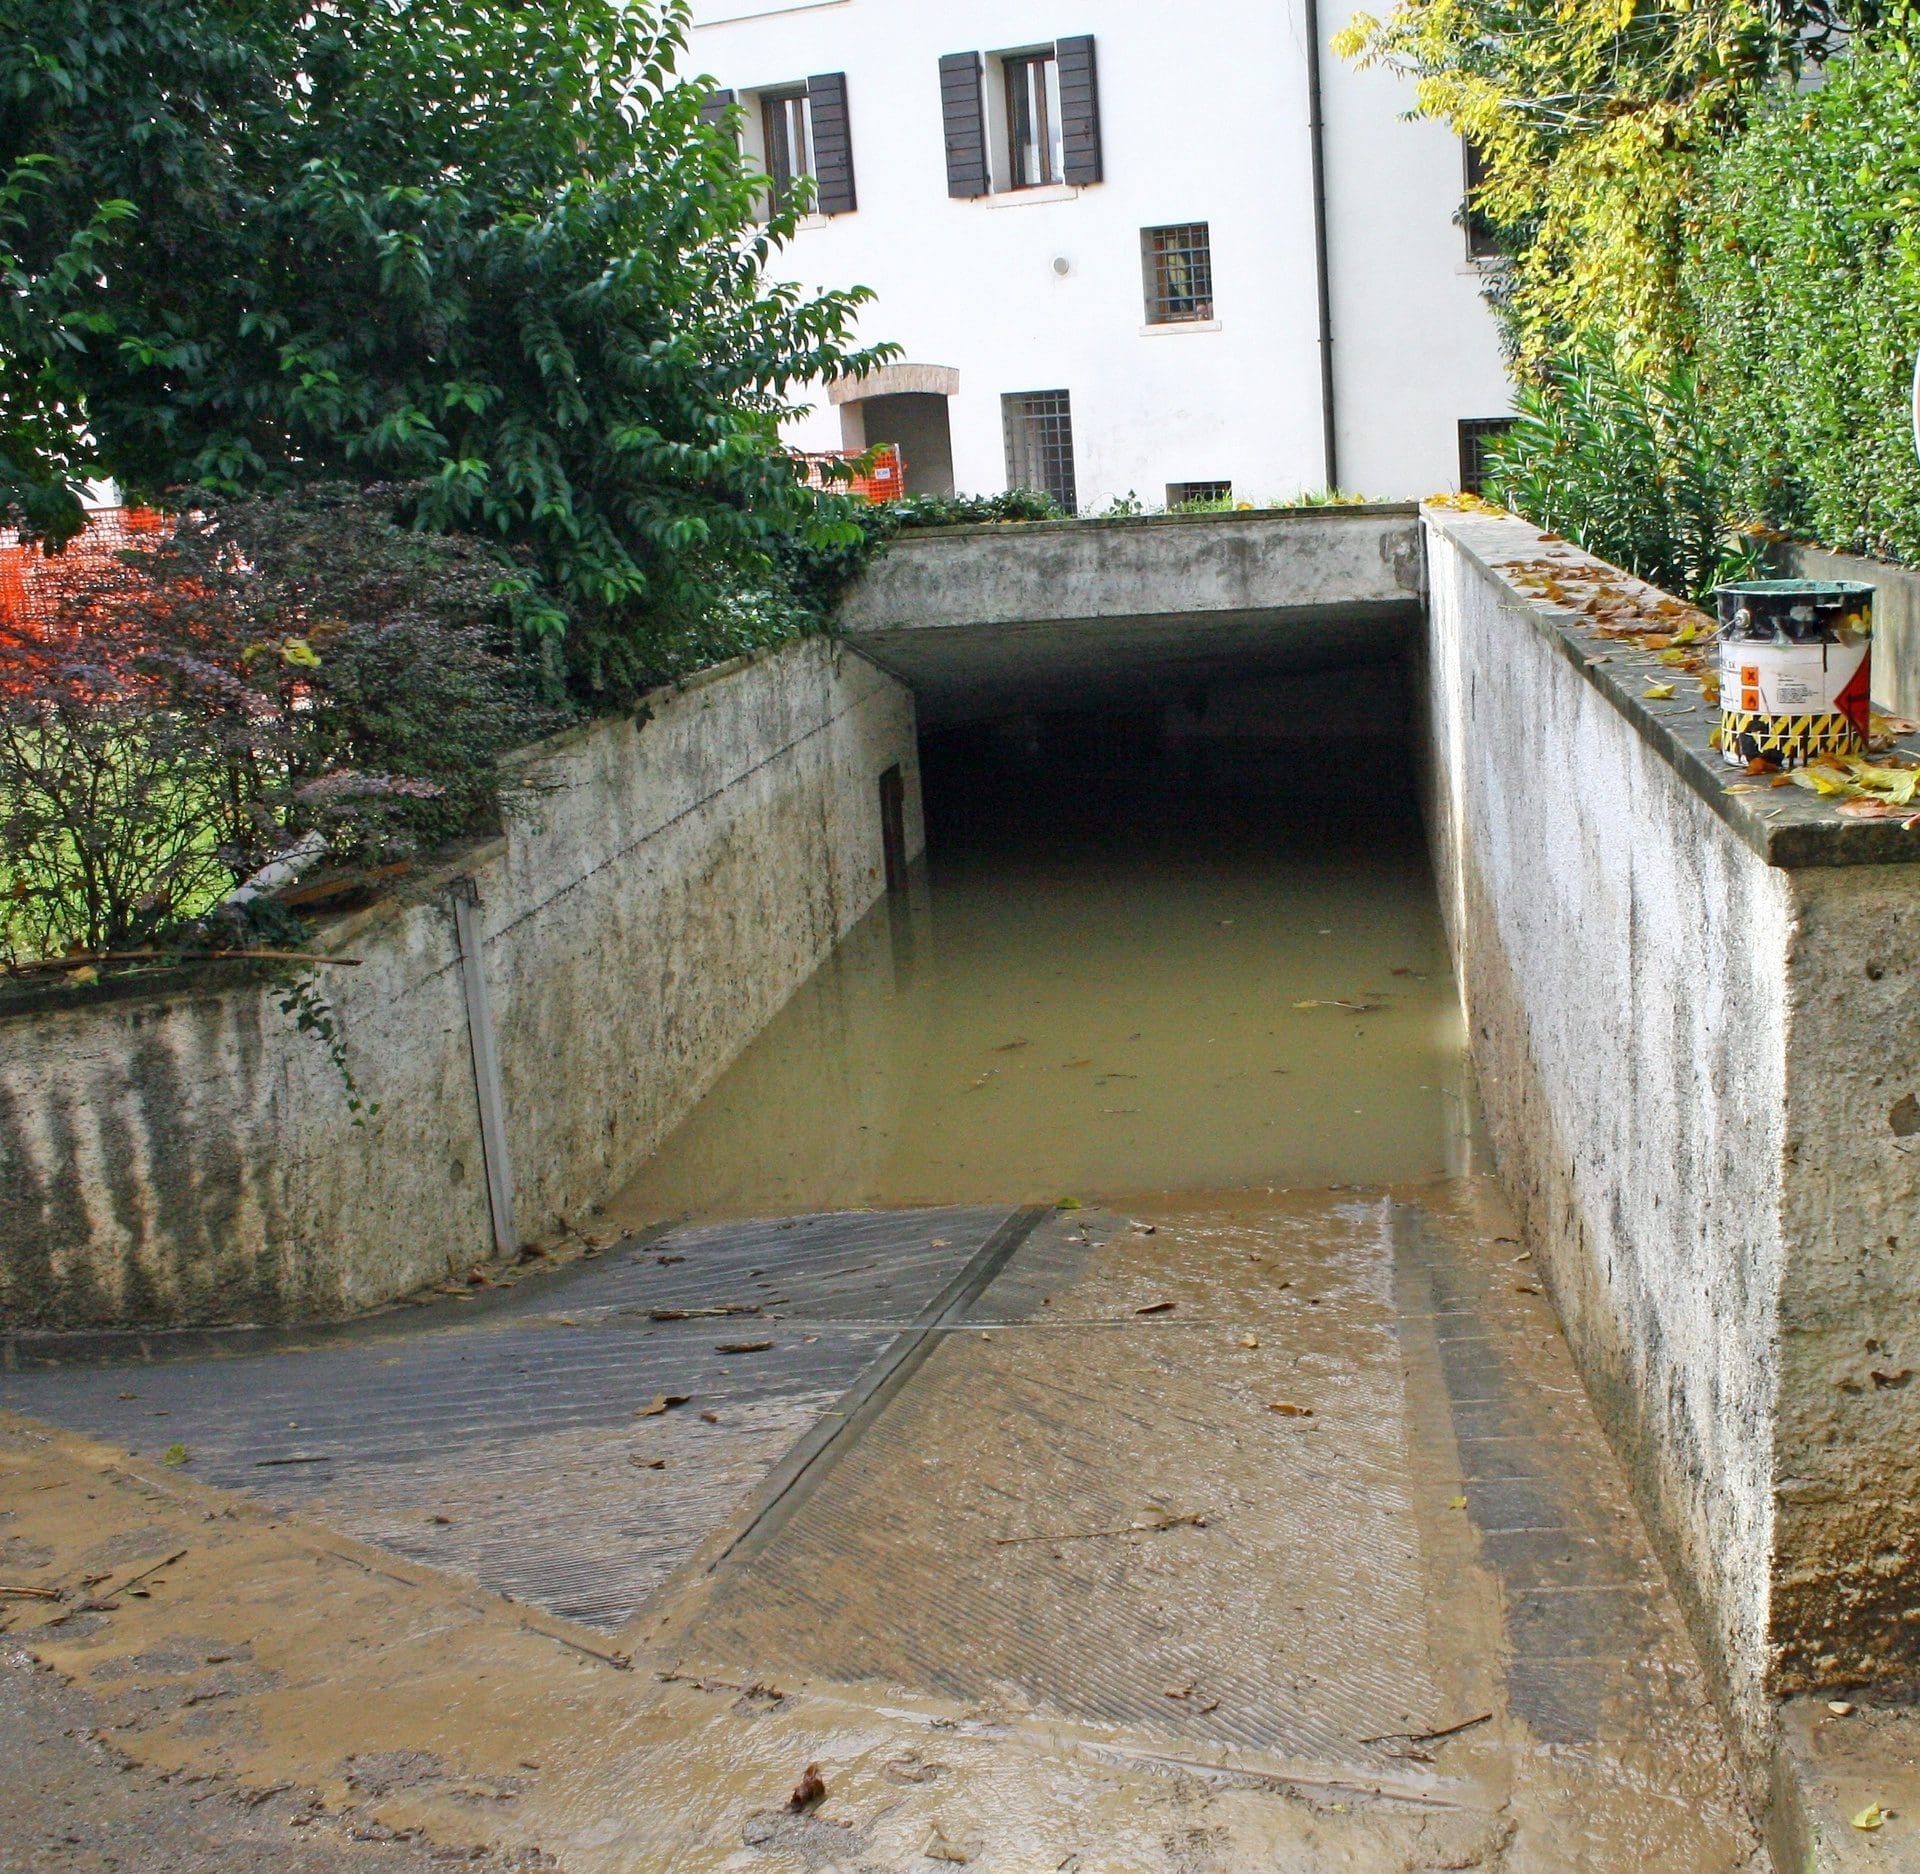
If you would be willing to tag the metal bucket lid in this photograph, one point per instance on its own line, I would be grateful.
(1799, 609)
(1834, 591)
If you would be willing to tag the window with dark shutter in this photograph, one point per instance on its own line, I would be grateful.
(714, 109)
(786, 131)
(1034, 151)
(1079, 110)
(832, 144)
(964, 118)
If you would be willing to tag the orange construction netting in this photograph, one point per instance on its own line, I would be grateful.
(35, 586)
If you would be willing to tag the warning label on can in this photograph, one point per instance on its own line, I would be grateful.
(1786, 702)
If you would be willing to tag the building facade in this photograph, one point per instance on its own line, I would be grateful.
(1094, 234)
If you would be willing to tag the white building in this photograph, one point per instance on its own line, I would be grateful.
(1091, 224)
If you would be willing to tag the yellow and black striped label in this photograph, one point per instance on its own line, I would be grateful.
(1749, 733)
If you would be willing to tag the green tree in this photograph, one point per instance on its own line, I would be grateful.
(1629, 464)
(480, 246)
(1592, 117)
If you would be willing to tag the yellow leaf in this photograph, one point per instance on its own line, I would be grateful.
(1819, 779)
(1658, 692)
(299, 653)
(1456, 1503)
(1872, 1816)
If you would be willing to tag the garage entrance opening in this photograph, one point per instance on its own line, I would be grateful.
(1165, 949)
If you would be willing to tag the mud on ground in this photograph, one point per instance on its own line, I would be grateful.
(1078, 1596)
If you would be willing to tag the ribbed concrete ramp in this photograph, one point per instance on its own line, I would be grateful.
(512, 1442)
(996, 1536)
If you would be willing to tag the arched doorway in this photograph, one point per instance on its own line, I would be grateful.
(906, 405)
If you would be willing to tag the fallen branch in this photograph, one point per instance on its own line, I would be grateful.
(1429, 1737)
(1193, 1519)
(619, 1661)
(34, 1594)
(105, 1602)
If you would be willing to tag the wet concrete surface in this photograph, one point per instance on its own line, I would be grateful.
(1202, 1485)
(1231, 1646)
(510, 1439)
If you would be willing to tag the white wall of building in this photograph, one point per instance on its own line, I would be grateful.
(1203, 118)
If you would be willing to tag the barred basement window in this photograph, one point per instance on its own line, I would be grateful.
(1178, 264)
(1475, 433)
(1039, 426)
(1199, 494)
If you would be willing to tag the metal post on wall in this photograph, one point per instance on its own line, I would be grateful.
(1323, 284)
(486, 1065)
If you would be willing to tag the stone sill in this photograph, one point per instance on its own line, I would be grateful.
(1787, 827)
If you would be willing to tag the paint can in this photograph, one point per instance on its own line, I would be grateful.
(1796, 669)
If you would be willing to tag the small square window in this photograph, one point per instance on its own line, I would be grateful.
(1475, 433)
(1039, 426)
(1199, 494)
(1178, 265)
(786, 123)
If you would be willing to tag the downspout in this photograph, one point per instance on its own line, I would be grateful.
(1316, 142)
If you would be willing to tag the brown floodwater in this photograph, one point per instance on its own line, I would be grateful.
(1123, 967)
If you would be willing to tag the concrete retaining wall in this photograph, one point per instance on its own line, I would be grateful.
(1694, 1017)
(180, 1154)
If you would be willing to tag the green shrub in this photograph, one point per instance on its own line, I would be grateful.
(282, 667)
(1803, 268)
(1629, 467)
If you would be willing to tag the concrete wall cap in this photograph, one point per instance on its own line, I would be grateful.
(1790, 828)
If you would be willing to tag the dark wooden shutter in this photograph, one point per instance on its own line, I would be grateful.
(1079, 110)
(964, 116)
(713, 111)
(832, 144)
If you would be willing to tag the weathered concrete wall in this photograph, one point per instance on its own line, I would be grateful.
(181, 1154)
(1090, 614)
(1688, 1049)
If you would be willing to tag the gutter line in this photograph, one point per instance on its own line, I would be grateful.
(1316, 141)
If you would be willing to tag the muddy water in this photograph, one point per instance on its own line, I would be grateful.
(1120, 969)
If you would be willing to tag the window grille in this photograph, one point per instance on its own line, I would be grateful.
(1039, 426)
(786, 122)
(1035, 149)
(1178, 263)
(1199, 494)
(1475, 433)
